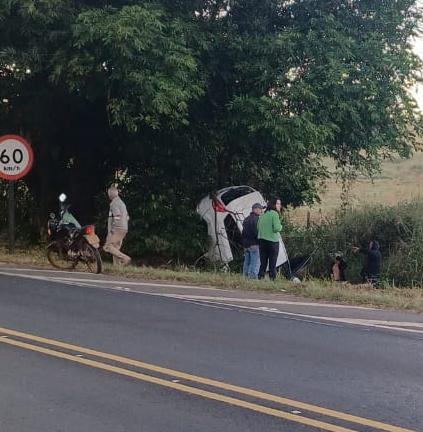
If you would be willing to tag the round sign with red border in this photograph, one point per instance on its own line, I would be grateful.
(16, 157)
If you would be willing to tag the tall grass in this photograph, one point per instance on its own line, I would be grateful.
(399, 230)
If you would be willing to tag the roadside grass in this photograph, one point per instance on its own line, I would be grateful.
(321, 290)
(34, 256)
(317, 289)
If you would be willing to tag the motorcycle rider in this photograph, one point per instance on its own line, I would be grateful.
(117, 227)
(66, 216)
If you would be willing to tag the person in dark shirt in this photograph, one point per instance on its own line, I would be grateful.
(373, 260)
(251, 244)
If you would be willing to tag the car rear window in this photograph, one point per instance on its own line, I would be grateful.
(236, 193)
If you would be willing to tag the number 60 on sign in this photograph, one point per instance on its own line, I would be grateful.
(16, 157)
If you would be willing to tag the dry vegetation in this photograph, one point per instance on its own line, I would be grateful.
(399, 180)
(391, 298)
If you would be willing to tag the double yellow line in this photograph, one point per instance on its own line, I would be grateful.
(6, 336)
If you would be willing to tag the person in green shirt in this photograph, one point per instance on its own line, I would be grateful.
(269, 227)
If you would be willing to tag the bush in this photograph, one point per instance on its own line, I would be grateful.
(399, 230)
(161, 231)
(26, 230)
(166, 228)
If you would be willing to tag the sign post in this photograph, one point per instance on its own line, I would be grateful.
(11, 216)
(16, 159)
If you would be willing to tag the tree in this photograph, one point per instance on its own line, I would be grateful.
(288, 83)
(184, 97)
(78, 78)
(357, 58)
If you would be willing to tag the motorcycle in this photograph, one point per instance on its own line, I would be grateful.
(71, 243)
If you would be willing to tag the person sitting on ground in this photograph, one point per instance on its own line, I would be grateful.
(337, 268)
(250, 243)
(372, 264)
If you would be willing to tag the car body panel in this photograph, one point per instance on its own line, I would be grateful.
(235, 202)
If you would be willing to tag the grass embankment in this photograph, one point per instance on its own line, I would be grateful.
(398, 180)
(390, 298)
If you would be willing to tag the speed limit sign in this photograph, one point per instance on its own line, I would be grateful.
(16, 157)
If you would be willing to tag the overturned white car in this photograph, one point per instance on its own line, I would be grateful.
(224, 213)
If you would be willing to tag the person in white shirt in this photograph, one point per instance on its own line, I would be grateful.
(117, 227)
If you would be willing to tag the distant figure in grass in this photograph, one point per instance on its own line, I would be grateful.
(370, 272)
(269, 228)
(250, 243)
(337, 268)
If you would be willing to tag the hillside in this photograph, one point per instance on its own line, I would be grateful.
(399, 180)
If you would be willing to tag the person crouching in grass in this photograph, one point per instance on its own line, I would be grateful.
(372, 264)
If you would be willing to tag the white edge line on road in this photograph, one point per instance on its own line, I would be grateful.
(217, 301)
(301, 317)
(313, 319)
(11, 272)
(298, 316)
(193, 287)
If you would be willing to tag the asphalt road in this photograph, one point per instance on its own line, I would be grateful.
(45, 386)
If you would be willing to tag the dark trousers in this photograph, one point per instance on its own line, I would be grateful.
(268, 256)
(374, 279)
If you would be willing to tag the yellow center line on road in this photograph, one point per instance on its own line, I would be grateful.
(209, 382)
(180, 387)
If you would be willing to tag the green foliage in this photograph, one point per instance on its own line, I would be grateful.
(138, 58)
(399, 230)
(357, 59)
(185, 97)
(163, 230)
(24, 223)
(79, 78)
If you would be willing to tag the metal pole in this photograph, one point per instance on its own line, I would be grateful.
(11, 196)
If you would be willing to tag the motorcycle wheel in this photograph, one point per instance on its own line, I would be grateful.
(58, 257)
(92, 259)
